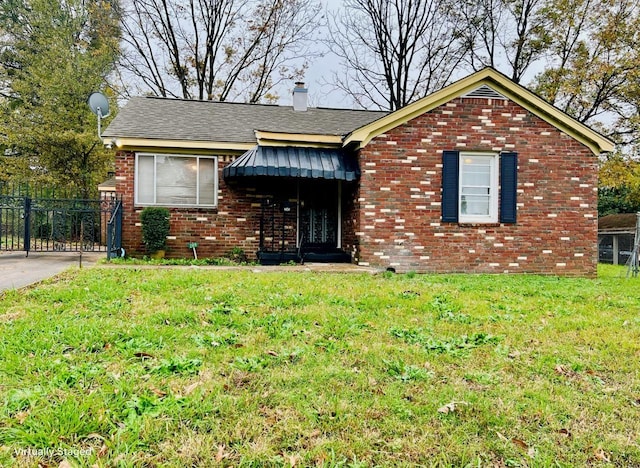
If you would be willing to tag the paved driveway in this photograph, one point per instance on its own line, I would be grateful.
(17, 271)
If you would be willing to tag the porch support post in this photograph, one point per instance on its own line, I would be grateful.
(297, 213)
(339, 240)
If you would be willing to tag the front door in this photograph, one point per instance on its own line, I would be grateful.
(319, 216)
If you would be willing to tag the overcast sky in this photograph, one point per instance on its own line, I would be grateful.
(319, 75)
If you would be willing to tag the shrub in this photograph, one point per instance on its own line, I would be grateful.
(155, 227)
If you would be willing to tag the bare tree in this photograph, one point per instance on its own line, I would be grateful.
(217, 49)
(503, 34)
(393, 52)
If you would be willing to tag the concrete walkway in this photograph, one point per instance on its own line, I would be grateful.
(18, 271)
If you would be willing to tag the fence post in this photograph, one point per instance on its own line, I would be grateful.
(114, 229)
(27, 224)
(119, 225)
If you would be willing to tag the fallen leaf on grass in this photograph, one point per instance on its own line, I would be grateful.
(501, 437)
(21, 416)
(103, 451)
(293, 459)
(520, 444)
(142, 354)
(221, 455)
(564, 371)
(188, 390)
(272, 353)
(65, 464)
(565, 432)
(602, 455)
(450, 407)
(158, 393)
(560, 369)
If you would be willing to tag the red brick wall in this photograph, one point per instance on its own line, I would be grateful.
(234, 223)
(395, 219)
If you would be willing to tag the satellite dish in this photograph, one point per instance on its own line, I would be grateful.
(99, 105)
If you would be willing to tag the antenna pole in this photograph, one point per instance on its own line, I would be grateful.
(99, 113)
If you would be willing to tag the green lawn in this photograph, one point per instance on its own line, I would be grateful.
(195, 367)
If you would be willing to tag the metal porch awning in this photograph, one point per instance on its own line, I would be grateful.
(310, 163)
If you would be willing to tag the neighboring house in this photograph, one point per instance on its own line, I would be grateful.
(481, 176)
(616, 237)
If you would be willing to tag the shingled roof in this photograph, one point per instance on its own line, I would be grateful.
(618, 222)
(177, 119)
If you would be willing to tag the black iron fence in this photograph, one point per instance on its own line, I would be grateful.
(46, 220)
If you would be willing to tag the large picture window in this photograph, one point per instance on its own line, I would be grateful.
(176, 180)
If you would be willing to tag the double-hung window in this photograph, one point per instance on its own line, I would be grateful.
(479, 187)
(176, 180)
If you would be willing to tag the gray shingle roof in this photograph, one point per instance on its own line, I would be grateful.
(176, 119)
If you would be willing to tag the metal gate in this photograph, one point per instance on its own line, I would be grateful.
(278, 232)
(43, 220)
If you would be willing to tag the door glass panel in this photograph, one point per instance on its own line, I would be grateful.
(319, 214)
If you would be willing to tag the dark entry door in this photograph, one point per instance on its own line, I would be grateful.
(319, 216)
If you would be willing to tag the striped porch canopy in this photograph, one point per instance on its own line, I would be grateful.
(296, 162)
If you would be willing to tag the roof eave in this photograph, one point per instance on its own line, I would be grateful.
(134, 143)
(271, 138)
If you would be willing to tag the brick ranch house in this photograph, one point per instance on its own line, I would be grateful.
(481, 176)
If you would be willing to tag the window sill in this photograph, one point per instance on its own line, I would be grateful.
(180, 207)
(478, 224)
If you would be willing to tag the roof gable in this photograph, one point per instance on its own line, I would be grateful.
(485, 80)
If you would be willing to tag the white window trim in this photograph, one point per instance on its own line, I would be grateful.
(198, 157)
(492, 218)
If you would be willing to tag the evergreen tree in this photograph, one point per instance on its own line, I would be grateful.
(53, 54)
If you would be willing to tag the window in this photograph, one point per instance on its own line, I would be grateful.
(478, 194)
(479, 187)
(176, 180)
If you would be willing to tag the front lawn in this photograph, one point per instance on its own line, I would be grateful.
(199, 367)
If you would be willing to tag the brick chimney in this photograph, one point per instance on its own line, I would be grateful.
(300, 97)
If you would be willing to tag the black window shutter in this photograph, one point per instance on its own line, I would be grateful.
(450, 175)
(508, 187)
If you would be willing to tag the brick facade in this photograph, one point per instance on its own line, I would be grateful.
(392, 217)
(234, 223)
(395, 216)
